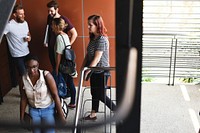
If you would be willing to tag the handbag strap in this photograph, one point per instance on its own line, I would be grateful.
(64, 41)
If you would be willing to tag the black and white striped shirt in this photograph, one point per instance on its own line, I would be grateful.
(99, 44)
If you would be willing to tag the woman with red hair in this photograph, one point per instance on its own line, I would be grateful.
(97, 56)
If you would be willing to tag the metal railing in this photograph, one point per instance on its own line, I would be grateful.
(79, 99)
(171, 39)
(124, 106)
(171, 56)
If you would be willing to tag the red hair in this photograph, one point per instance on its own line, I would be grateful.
(98, 21)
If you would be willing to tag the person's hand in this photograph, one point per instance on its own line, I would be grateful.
(45, 45)
(27, 39)
(86, 74)
(62, 120)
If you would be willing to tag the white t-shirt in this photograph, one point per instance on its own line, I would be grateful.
(61, 42)
(15, 33)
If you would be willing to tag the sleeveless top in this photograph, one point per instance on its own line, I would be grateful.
(38, 95)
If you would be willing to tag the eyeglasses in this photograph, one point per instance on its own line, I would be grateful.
(34, 67)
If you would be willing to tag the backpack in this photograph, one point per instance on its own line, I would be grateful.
(61, 84)
(62, 102)
(68, 65)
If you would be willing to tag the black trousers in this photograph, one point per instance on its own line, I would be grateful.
(52, 57)
(98, 81)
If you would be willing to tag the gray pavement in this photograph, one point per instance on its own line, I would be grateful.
(170, 109)
(9, 111)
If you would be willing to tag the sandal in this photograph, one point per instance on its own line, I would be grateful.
(90, 118)
(71, 106)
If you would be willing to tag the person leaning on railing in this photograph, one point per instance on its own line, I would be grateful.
(97, 56)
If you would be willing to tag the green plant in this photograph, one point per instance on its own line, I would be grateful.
(188, 80)
(147, 79)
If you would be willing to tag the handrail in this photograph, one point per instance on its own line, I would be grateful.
(78, 107)
(125, 105)
(158, 57)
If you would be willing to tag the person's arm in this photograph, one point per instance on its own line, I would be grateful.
(59, 51)
(54, 93)
(84, 62)
(73, 35)
(23, 103)
(58, 59)
(6, 30)
(97, 57)
(28, 37)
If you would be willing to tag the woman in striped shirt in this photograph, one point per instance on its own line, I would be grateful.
(97, 56)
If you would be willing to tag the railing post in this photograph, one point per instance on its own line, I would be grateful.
(170, 61)
(174, 71)
(78, 107)
(77, 128)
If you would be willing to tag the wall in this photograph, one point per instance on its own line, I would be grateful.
(77, 11)
(5, 78)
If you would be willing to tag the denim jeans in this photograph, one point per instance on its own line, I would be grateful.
(43, 116)
(71, 86)
(19, 62)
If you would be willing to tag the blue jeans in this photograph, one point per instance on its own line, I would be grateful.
(19, 62)
(70, 84)
(43, 116)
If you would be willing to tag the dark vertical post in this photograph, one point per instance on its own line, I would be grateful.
(5, 9)
(170, 66)
(174, 71)
(1, 96)
(125, 39)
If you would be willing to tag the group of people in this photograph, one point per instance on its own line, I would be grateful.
(37, 87)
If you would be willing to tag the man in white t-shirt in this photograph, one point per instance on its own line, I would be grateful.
(18, 36)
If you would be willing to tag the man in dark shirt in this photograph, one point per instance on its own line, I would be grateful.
(51, 37)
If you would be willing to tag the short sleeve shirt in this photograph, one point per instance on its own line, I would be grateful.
(61, 42)
(52, 35)
(99, 44)
(15, 33)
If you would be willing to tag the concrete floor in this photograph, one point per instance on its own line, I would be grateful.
(170, 109)
(9, 111)
(166, 109)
